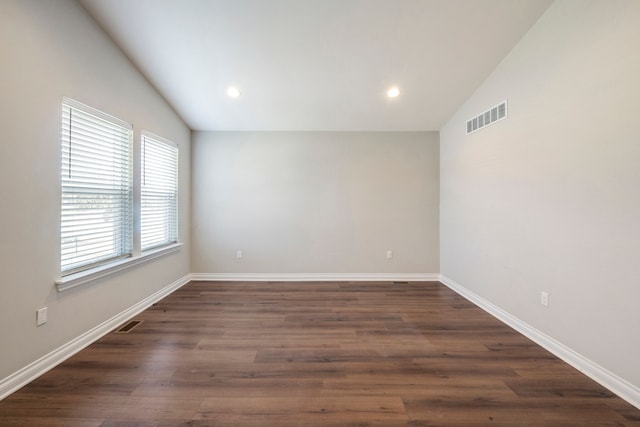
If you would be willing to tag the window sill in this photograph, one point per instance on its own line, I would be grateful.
(77, 279)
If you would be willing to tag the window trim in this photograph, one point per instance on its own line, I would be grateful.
(76, 279)
(146, 134)
(126, 233)
(70, 279)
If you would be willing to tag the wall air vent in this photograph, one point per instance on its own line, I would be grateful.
(489, 117)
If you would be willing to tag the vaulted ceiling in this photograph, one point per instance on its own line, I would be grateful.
(316, 64)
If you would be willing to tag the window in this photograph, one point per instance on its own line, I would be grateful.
(96, 220)
(159, 198)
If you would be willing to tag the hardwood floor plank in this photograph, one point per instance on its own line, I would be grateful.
(315, 354)
(107, 407)
(299, 411)
(557, 387)
(513, 411)
(28, 421)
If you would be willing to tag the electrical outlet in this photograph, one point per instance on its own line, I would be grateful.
(544, 298)
(41, 316)
(389, 254)
(239, 254)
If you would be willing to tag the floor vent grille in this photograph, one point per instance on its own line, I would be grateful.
(489, 117)
(125, 329)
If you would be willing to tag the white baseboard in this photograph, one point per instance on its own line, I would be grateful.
(607, 379)
(316, 277)
(19, 379)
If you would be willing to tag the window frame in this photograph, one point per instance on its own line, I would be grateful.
(174, 235)
(116, 140)
(69, 279)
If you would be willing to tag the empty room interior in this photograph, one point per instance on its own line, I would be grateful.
(320, 213)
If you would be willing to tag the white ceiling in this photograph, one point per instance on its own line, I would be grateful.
(316, 64)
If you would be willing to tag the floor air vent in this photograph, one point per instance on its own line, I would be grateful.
(128, 327)
(489, 117)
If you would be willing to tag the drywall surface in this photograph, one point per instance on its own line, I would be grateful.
(315, 202)
(50, 50)
(548, 200)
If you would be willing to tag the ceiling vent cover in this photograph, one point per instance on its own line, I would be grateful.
(489, 117)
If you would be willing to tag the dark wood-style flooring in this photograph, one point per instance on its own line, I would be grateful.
(315, 354)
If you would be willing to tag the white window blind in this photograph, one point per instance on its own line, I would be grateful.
(96, 225)
(159, 200)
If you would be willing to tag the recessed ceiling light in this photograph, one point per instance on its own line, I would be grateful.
(393, 92)
(233, 91)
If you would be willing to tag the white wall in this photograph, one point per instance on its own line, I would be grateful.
(550, 198)
(51, 49)
(315, 202)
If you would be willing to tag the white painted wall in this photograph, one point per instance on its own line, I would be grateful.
(315, 202)
(550, 198)
(51, 49)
